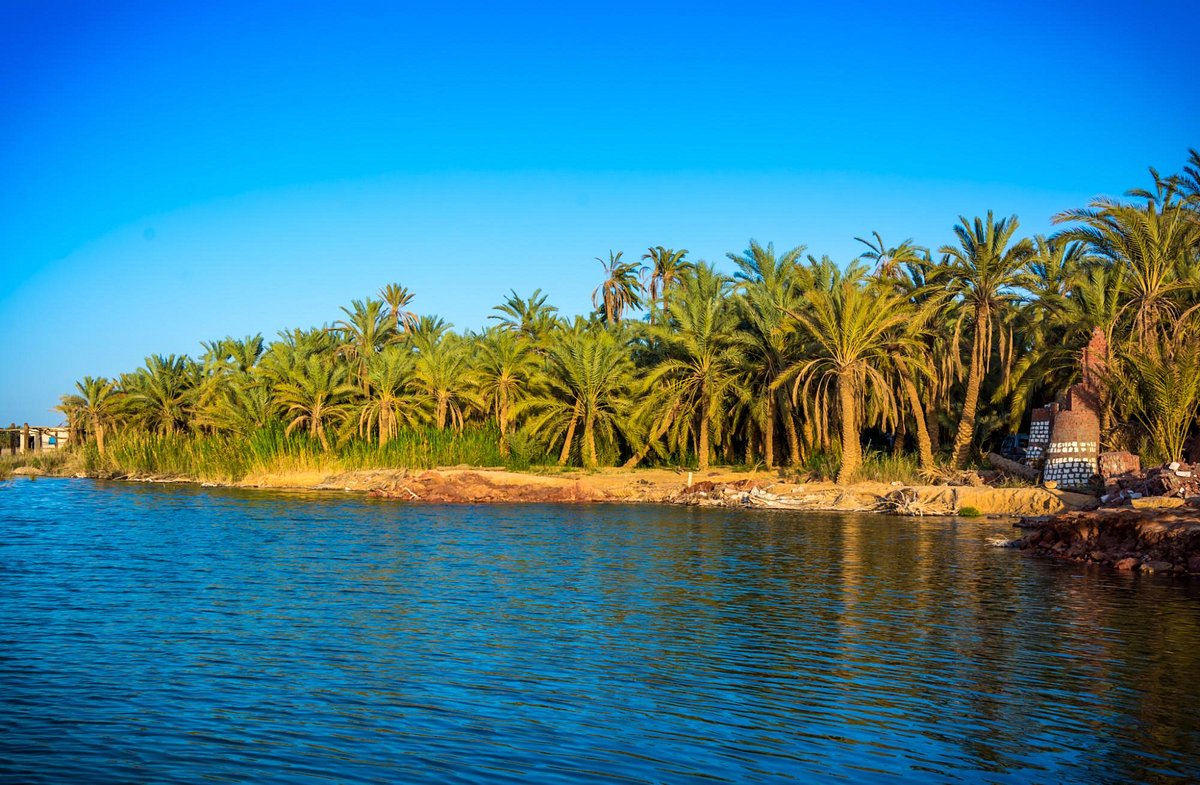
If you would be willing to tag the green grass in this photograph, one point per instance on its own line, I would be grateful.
(227, 458)
(969, 512)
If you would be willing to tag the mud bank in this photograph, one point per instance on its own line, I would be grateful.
(1147, 540)
(715, 488)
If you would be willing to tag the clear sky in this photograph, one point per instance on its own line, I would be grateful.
(174, 172)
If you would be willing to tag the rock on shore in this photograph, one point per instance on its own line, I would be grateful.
(1148, 540)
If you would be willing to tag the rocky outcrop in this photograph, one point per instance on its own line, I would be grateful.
(1149, 540)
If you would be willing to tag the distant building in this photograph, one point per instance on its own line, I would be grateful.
(17, 439)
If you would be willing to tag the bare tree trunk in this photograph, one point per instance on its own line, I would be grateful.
(851, 444)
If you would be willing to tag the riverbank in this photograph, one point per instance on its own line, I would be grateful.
(1157, 539)
(713, 488)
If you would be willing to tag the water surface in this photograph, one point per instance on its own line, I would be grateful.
(181, 634)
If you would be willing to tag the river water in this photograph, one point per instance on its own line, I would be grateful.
(184, 634)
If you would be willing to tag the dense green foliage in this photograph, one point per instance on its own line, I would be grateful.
(791, 361)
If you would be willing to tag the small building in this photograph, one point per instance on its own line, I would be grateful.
(17, 439)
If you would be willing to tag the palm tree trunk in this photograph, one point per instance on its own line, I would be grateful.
(99, 437)
(851, 446)
(503, 416)
(769, 431)
(441, 413)
(662, 427)
(931, 422)
(966, 425)
(591, 460)
(899, 436)
(924, 445)
(789, 423)
(566, 450)
(702, 448)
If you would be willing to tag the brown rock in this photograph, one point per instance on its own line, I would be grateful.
(1193, 564)
(1157, 566)
(1156, 502)
(1128, 564)
(1096, 555)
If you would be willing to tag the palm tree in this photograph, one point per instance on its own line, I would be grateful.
(769, 285)
(1159, 387)
(621, 289)
(854, 332)
(362, 333)
(1155, 243)
(397, 298)
(889, 262)
(985, 273)
(443, 375)
(390, 401)
(159, 393)
(244, 406)
(588, 383)
(666, 267)
(704, 352)
(317, 395)
(507, 367)
(95, 407)
(531, 317)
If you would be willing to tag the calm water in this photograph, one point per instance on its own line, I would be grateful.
(154, 634)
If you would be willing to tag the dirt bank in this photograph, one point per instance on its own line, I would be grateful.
(1149, 540)
(711, 488)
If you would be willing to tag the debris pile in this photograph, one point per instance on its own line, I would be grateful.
(1171, 481)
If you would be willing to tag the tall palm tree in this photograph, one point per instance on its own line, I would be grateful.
(317, 396)
(854, 331)
(621, 289)
(588, 382)
(390, 400)
(768, 286)
(666, 267)
(1154, 242)
(985, 271)
(159, 393)
(506, 370)
(397, 298)
(704, 353)
(890, 261)
(94, 407)
(531, 316)
(444, 377)
(364, 331)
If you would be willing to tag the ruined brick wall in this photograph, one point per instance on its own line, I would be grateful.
(1039, 432)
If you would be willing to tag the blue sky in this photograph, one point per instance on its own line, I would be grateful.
(171, 173)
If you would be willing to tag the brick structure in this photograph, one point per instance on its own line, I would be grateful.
(1066, 434)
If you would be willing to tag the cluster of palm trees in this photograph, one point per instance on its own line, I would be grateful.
(789, 357)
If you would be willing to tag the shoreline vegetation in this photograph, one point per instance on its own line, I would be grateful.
(902, 368)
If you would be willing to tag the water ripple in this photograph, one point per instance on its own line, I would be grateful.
(176, 634)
